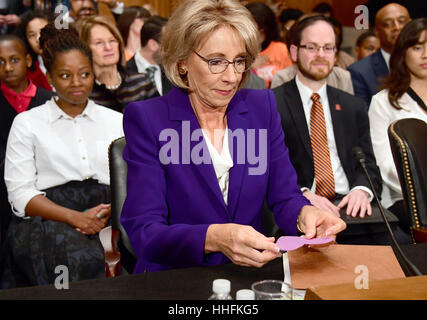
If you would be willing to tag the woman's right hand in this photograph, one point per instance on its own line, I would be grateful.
(243, 245)
(88, 223)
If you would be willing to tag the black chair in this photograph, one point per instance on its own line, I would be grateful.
(118, 175)
(408, 140)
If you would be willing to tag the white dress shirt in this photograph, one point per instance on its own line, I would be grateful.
(386, 57)
(381, 115)
(142, 64)
(341, 181)
(41, 64)
(46, 148)
(222, 163)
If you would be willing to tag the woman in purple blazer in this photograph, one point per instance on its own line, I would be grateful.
(202, 159)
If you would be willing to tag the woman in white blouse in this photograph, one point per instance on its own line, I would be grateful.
(56, 172)
(404, 96)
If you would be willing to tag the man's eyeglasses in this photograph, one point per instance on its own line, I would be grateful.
(219, 65)
(312, 48)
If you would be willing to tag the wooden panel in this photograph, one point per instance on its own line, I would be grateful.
(412, 288)
(163, 7)
(305, 5)
(344, 11)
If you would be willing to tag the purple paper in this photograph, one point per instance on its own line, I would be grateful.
(292, 243)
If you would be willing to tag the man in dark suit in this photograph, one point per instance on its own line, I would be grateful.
(367, 73)
(147, 59)
(326, 174)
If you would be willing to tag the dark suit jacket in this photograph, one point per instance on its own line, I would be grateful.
(169, 207)
(166, 84)
(366, 75)
(15, 7)
(7, 114)
(351, 129)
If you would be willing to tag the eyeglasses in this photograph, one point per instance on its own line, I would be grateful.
(313, 47)
(219, 65)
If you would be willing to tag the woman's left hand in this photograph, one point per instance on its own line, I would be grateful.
(100, 215)
(317, 223)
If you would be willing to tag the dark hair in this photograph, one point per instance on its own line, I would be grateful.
(266, 21)
(152, 29)
(399, 78)
(338, 32)
(363, 37)
(21, 30)
(12, 37)
(304, 23)
(128, 16)
(324, 8)
(54, 42)
(289, 14)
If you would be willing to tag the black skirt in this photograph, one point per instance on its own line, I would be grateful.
(38, 251)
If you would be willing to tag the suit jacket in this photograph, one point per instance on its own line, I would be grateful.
(16, 7)
(351, 129)
(339, 78)
(366, 75)
(169, 207)
(131, 67)
(254, 82)
(8, 113)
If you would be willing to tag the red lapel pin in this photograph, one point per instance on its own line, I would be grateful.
(337, 107)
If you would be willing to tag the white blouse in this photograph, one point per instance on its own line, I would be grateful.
(46, 148)
(222, 163)
(381, 115)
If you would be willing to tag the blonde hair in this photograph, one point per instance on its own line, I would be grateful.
(85, 25)
(193, 21)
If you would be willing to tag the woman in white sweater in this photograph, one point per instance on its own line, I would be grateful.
(404, 96)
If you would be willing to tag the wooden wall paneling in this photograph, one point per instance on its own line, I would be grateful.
(344, 11)
(305, 5)
(163, 7)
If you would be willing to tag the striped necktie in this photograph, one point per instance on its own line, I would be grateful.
(151, 71)
(325, 185)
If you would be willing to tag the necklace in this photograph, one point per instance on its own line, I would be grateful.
(113, 87)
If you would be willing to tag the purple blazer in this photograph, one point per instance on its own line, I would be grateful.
(169, 207)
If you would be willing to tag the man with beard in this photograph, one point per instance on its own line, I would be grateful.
(147, 59)
(367, 73)
(323, 124)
